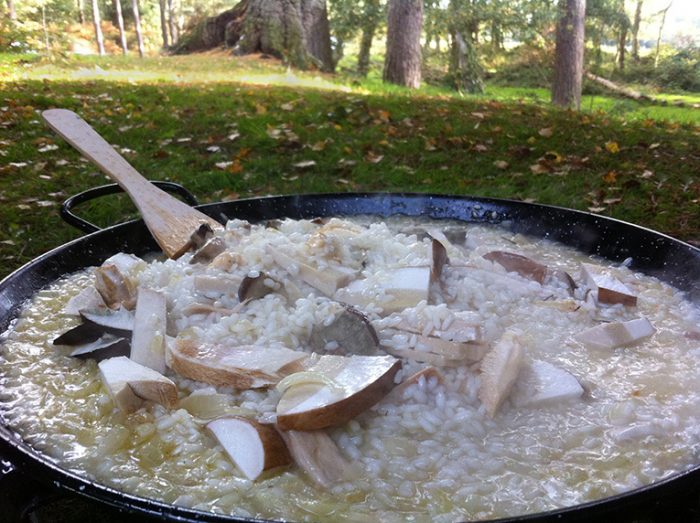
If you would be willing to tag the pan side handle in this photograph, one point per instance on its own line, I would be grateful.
(76, 221)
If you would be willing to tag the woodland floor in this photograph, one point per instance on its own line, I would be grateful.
(237, 128)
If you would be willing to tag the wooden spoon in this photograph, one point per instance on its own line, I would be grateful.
(170, 221)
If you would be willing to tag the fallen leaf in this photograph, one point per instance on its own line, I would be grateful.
(654, 146)
(647, 174)
(319, 146)
(260, 109)
(48, 148)
(184, 139)
(213, 149)
(612, 147)
(538, 168)
(610, 178)
(234, 136)
(223, 165)
(480, 148)
(236, 167)
(287, 107)
(305, 164)
(596, 209)
(546, 132)
(501, 164)
(478, 115)
(373, 158)
(612, 201)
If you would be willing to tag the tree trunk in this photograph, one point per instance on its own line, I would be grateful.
(137, 25)
(622, 41)
(120, 24)
(496, 35)
(295, 30)
(370, 15)
(403, 58)
(172, 22)
(635, 30)
(164, 23)
(568, 59)
(11, 10)
(661, 29)
(465, 72)
(81, 12)
(98, 28)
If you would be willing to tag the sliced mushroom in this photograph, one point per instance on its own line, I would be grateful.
(80, 334)
(252, 446)
(349, 333)
(465, 353)
(209, 251)
(400, 289)
(351, 385)
(606, 287)
(499, 370)
(130, 384)
(148, 339)
(115, 287)
(616, 334)
(119, 321)
(88, 298)
(524, 266)
(215, 286)
(318, 456)
(207, 404)
(257, 286)
(439, 259)
(327, 280)
(225, 261)
(541, 383)
(242, 367)
(200, 236)
(107, 346)
(205, 308)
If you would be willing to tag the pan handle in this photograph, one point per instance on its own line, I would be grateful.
(113, 188)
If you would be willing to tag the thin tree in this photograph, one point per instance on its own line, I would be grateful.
(11, 10)
(120, 24)
(137, 25)
(661, 29)
(403, 54)
(465, 72)
(370, 18)
(568, 54)
(635, 30)
(164, 23)
(172, 22)
(81, 11)
(98, 28)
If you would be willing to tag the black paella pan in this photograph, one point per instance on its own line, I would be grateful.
(676, 498)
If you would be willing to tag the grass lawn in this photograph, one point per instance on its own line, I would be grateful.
(234, 128)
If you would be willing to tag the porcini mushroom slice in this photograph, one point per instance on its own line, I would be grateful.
(115, 288)
(252, 446)
(542, 383)
(209, 251)
(616, 334)
(130, 384)
(327, 280)
(349, 333)
(257, 286)
(463, 352)
(524, 266)
(80, 335)
(148, 339)
(397, 290)
(351, 385)
(318, 456)
(200, 236)
(119, 321)
(499, 370)
(88, 298)
(242, 367)
(606, 287)
(107, 346)
(439, 259)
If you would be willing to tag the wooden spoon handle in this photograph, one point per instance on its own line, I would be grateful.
(170, 221)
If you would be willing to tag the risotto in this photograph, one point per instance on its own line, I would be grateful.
(512, 375)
